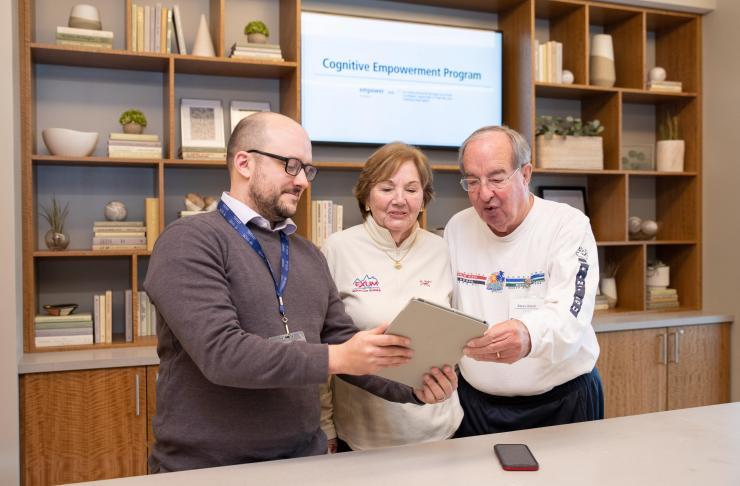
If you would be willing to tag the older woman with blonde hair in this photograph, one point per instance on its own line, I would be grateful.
(378, 266)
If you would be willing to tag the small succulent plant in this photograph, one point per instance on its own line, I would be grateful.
(257, 27)
(567, 126)
(132, 116)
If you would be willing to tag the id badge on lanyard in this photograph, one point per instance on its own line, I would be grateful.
(249, 237)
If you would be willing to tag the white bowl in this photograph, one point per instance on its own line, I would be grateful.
(72, 143)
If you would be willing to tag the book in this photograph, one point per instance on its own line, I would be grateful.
(203, 155)
(129, 320)
(96, 318)
(662, 305)
(118, 247)
(62, 325)
(48, 341)
(179, 34)
(140, 28)
(151, 205)
(108, 316)
(132, 232)
(77, 43)
(143, 137)
(184, 214)
(127, 240)
(74, 31)
(170, 31)
(157, 28)
(255, 47)
(100, 224)
(66, 331)
(131, 40)
(83, 316)
(668, 86)
(102, 318)
(661, 291)
(133, 143)
(142, 313)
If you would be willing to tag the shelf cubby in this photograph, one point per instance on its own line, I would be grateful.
(566, 22)
(627, 28)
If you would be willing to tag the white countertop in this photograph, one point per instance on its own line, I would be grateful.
(698, 446)
(147, 355)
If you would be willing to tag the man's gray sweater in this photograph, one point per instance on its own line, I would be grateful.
(225, 394)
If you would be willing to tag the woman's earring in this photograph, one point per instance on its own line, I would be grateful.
(367, 208)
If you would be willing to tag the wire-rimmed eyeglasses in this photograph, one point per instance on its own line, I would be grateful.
(473, 184)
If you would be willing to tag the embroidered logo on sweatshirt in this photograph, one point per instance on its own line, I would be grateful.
(471, 278)
(425, 283)
(368, 283)
(537, 278)
(495, 282)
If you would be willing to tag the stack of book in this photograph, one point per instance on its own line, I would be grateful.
(119, 235)
(205, 153)
(667, 86)
(602, 302)
(102, 317)
(549, 62)
(155, 29)
(134, 146)
(661, 298)
(326, 218)
(69, 330)
(71, 36)
(147, 316)
(269, 52)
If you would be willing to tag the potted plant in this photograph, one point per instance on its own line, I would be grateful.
(132, 121)
(670, 148)
(256, 32)
(55, 238)
(568, 143)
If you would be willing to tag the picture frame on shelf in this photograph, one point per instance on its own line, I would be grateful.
(574, 196)
(202, 123)
(242, 109)
(637, 157)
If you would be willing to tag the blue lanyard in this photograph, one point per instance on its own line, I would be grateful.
(249, 237)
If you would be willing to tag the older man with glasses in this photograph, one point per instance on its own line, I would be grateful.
(251, 322)
(529, 267)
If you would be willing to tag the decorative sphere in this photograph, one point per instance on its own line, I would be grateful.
(634, 224)
(649, 227)
(568, 77)
(657, 74)
(115, 211)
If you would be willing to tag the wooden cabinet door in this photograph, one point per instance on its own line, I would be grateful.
(83, 425)
(632, 365)
(699, 362)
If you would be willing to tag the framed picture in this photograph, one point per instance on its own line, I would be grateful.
(202, 123)
(242, 109)
(574, 196)
(637, 157)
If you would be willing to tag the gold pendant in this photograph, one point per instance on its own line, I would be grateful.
(397, 265)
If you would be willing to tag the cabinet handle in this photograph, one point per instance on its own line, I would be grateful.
(138, 406)
(663, 349)
(677, 344)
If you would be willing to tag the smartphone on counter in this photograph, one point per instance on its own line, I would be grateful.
(515, 457)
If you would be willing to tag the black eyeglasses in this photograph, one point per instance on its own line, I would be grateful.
(292, 166)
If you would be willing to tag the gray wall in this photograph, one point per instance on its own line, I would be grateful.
(722, 170)
(10, 247)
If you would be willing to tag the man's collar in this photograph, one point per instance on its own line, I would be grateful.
(247, 214)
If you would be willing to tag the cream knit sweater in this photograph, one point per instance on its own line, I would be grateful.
(361, 261)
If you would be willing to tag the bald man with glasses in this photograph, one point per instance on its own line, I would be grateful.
(529, 267)
(251, 323)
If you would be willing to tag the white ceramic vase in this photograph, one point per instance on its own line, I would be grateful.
(203, 45)
(602, 71)
(608, 287)
(669, 155)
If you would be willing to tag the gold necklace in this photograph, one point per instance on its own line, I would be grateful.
(397, 261)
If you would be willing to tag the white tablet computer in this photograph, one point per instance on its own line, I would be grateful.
(438, 335)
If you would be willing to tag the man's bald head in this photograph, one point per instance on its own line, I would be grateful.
(258, 131)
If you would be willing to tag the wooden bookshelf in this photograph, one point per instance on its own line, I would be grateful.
(672, 39)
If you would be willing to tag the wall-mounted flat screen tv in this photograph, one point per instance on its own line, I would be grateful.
(373, 81)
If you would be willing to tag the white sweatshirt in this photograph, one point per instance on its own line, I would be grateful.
(545, 274)
(373, 292)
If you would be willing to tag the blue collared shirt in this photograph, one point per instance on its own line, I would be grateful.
(247, 214)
